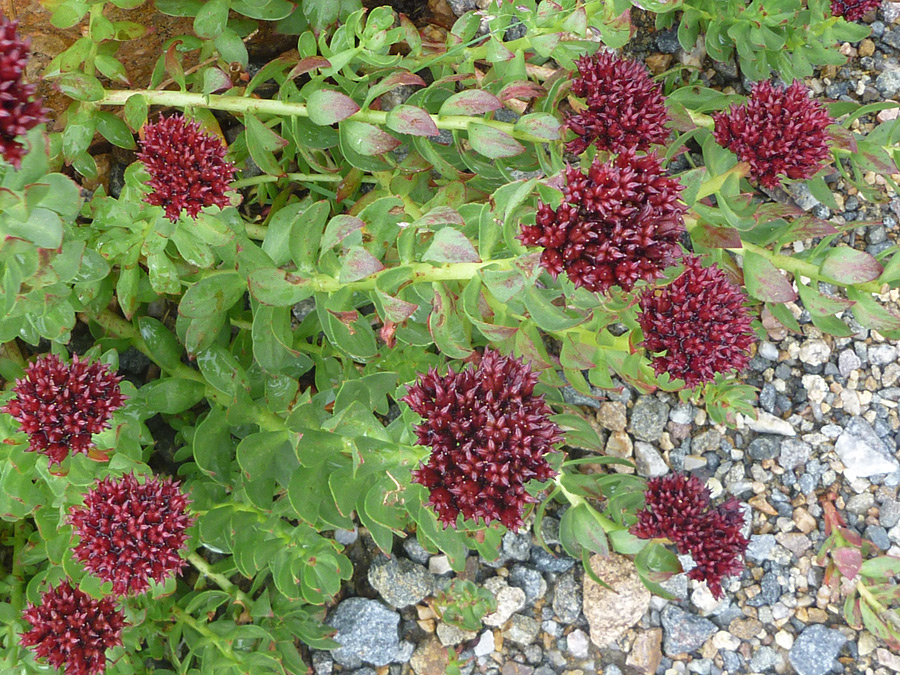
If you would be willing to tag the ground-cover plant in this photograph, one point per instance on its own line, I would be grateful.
(361, 275)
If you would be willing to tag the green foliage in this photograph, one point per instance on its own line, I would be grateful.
(464, 604)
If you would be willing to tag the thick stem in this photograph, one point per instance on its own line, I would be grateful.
(221, 580)
(265, 178)
(239, 104)
(607, 524)
(204, 630)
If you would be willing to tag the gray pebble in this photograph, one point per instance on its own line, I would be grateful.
(648, 418)
(567, 598)
(366, 631)
(399, 581)
(794, 453)
(684, 632)
(550, 563)
(883, 354)
(888, 83)
(764, 659)
(816, 649)
(415, 551)
(878, 536)
(763, 447)
(529, 580)
(517, 546)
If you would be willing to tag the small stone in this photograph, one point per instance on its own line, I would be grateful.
(889, 513)
(404, 652)
(866, 47)
(795, 542)
(529, 580)
(745, 629)
(611, 613)
(815, 651)
(760, 503)
(794, 453)
(706, 441)
(522, 629)
(815, 352)
(763, 447)
(439, 564)
(646, 652)
(366, 631)
(322, 662)
(611, 415)
(430, 657)
(619, 445)
(648, 461)
(766, 423)
(804, 521)
(648, 418)
(416, 551)
(888, 82)
(860, 503)
(517, 546)
(546, 562)
(509, 601)
(485, 644)
(784, 639)
(881, 355)
(658, 63)
(760, 548)
(862, 452)
(578, 644)
(451, 635)
(400, 582)
(763, 659)
(684, 632)
(346, 537)
(567, 598)
(703, 599)
(848, 361)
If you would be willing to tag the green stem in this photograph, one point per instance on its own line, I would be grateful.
(801, 267)
(238, 104)
(265, 178)
(607, 524)
(204, 630)
(221, 580)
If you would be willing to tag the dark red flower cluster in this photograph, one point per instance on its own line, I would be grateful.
(696, 326)
(187, 166)
(61, 405)
(678, 509)
(131, 532)
(18, 112)
(779, 130)
(72, 630)
(618, 223)
(853, 10)
(488, 435)
(625, 108)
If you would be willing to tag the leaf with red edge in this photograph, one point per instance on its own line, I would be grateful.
(440, 215)
(710, 236)
(339, 228)
(852, 612)
(764, 281)
(451, 336)
(451, 245)
(850, 266)
(395, 309)
(820, 304)
(470, 102)
(542, 125)
(848, 561)
(871, 314)
(493, 143)
(883, 566)
(367, 139)
(326, 107)
(358, 264)
(396, 79)
(408, 119)
(521, 89)
(308, 64)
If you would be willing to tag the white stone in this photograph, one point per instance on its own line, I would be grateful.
(578, 644)
(815, 352)
(439, 564)
(725, 640)
(784, 639)
(767, 423)
(648, 461)
(850, 401)
(816, 387)
(704, 600)
(862, 452)
(509, 601)
(485, 644)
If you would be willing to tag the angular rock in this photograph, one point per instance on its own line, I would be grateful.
(509, 601)
(366, 631)
(646, 652)
(430, 657)
(451, 635)
(648, 461)
(611, 613)
(567, 598)
(816, 649)
(648, 418)
(794, 452)
(863, 452)
(684, 632)
(400, 582)
(522, 629)
(767, 423)
(529, 580)
(611, 415)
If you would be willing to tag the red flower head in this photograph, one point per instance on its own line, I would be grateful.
(778, 131)
(700, 323)
(61, 405)
(187, 166)
(678, 509)
(18, 113)
(853, 10)
(618, 223)
(625, 107)
(72, 630)
(131, 532)
(488, 435)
